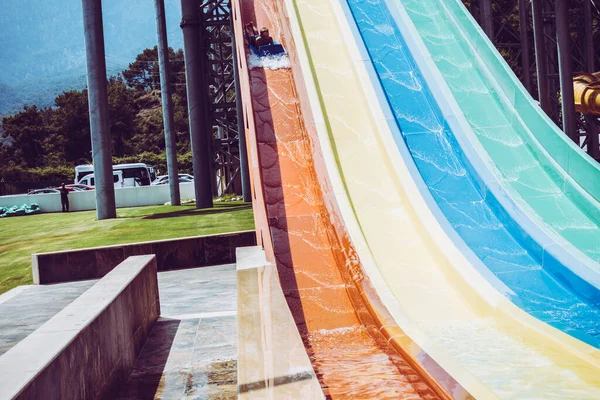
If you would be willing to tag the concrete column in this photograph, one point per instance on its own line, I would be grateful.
(167, 104)
(486, 16)
(565, 66)
(540, 55)
(197, 96)
(98, 104)
(244, 173)
(525, 63)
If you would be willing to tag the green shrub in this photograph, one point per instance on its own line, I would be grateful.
(14, 173)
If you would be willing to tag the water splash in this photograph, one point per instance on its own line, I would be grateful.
(270, 62)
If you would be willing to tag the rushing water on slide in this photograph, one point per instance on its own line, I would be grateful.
(439, 160)
(348, 361)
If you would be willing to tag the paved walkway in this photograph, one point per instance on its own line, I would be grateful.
(192, 350)
(26, 308)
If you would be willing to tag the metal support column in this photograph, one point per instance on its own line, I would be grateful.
(565, 66)
(167, 103)
(200, 132)
(591, 122)
(487, 20)
(98, 105)
(245, 174)
(525, 63)
(540, 55)
(590, 64)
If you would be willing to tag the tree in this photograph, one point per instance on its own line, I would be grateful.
(28, 131)
(72, 126)
(122, 113)
(50, 141)
(144, 75)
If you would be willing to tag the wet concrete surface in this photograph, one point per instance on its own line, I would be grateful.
(198, 291)
(191, 352)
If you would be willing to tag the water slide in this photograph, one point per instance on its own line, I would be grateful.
(357, 349)
(587, 93)
(535, 276)
(388, 302)
(547, 174)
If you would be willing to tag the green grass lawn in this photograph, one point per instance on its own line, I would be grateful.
(22, 236)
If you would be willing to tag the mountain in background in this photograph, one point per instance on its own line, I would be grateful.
(42, 49)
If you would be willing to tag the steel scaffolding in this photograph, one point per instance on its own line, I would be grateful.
(228, 162)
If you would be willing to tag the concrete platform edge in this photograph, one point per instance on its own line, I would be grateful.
(92, 344)
(272, 360)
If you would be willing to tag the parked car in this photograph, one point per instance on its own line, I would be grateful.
(69, 189)
(182, 179)
(43, 191)
(76, 187)
(164, 179)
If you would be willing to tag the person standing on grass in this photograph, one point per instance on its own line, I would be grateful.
(64, 198)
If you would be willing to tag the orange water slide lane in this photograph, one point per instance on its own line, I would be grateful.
(345, 328)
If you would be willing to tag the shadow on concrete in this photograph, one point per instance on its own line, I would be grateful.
(146, 379)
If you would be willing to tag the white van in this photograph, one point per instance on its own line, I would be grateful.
(90, 181)
(81, 171)
(134, 174)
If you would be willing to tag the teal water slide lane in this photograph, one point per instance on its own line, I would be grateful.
(578, 164)
(528, 152)
(464, 204)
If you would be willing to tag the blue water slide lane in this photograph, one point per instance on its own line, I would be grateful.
(483, 222)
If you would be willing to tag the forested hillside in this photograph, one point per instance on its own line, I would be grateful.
(42, 50)
(47, 142)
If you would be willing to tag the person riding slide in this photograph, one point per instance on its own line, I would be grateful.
(255, 39)
(251, 33)
(264, 39)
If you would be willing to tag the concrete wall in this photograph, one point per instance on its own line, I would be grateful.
(83, 201)
(91, 346)
(93, 263)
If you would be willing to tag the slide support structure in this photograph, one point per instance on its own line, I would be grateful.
(98, 105)
(167, 103)
(487, 21)
(540, 55)
(197, 94)
(525, 62)
(565, 67)
(239, 109)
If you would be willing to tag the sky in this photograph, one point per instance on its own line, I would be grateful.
(40, 38)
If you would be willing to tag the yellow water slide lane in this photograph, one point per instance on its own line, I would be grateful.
(435, 295)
